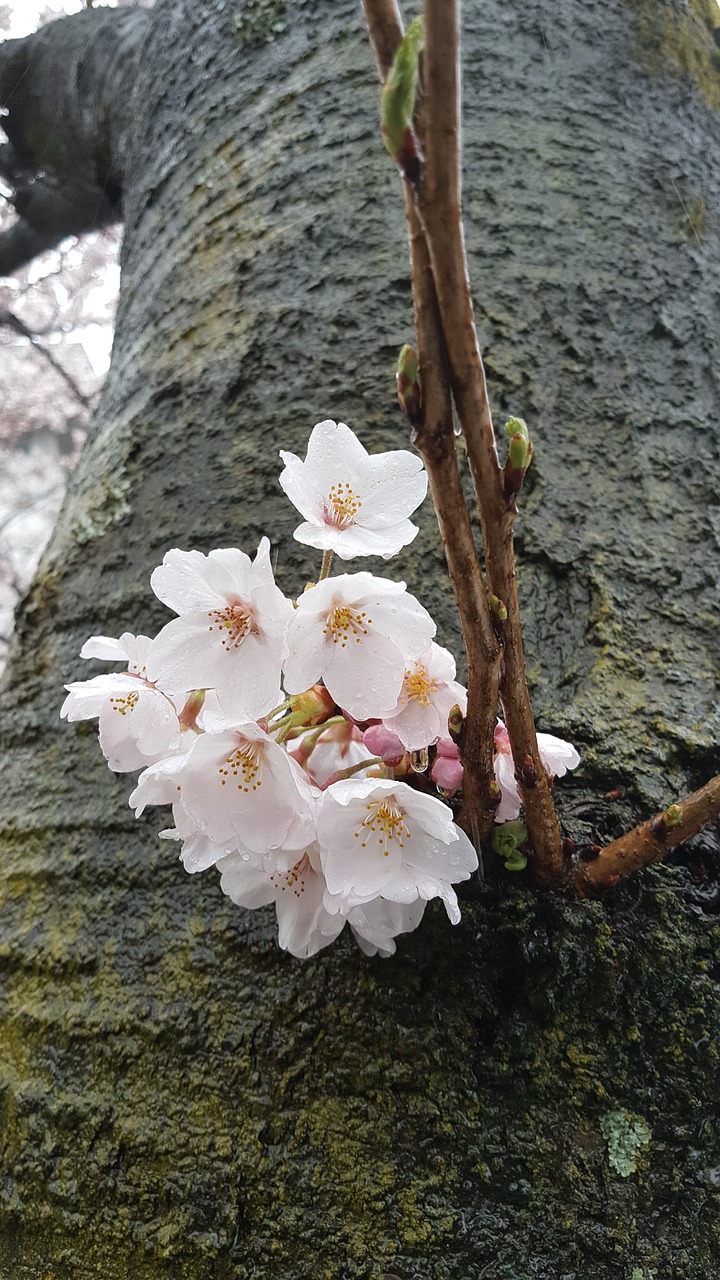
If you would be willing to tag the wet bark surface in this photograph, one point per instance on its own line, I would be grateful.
(178, 1098)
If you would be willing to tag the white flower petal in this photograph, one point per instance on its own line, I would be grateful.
(105, 648)
(557, 755)
(244, 883)
(397, 472)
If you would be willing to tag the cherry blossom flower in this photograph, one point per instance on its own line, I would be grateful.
(238, 788)
(304, 924)
(428, 694)
(137, 723)
(382, 839)
(354, 503)
(230, 630)
(356, 632)
(557, 756)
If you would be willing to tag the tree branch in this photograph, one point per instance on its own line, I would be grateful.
(435, 441)
(651, 841)
(10, 321)
(65, 153)
(438, 203)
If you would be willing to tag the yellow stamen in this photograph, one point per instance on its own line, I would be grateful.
(294, 879)
(345, 623)
(417, 686)
(233, 624)
(125, 704)
(385, 820)
(245, 766)
(341, 506)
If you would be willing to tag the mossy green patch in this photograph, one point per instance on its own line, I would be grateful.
(681, 37)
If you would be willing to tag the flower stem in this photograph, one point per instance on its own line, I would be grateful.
(311, 740)
(348, 773)
(325, 566)
(277, 710)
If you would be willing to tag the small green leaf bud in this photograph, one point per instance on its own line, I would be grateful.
(456, 720)
(497, 608)
(506, 841)
(518, 460)
(408, 387)
(666, 821)
(397, 102)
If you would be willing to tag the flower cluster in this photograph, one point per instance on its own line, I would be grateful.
(303, 746)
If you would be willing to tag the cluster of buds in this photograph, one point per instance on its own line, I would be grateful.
(303, 746)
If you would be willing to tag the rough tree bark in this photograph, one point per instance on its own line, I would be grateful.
(178, 1098)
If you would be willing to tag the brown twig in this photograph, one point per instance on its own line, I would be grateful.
(438, 204)
(651, 841)
(386, 32)
(435, 441)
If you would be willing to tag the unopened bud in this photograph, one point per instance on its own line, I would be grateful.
(397, 103)
(672, 817)
(497, 608)
(408, 387)
(384, 743)
(494, 791)
(518, 460)
(456, 721)
(312, 707)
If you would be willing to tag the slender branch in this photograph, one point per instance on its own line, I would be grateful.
(386, 31)
(11, 321)
(435, 441)
(438, 204)
(651, 841)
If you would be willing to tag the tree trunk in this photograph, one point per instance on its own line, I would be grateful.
(179, 1098)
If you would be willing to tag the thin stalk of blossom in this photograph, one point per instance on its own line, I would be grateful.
(326, 565)
(352, 769)
(276, 711)
(311, 740)
(438, 206)
(282, 732)
(434, 438)
(651, 841)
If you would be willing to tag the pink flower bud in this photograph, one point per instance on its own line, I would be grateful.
(447, 771)
(382, 743)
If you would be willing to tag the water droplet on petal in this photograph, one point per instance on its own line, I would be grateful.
(419, 760)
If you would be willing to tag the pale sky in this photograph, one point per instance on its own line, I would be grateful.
(25, 13)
